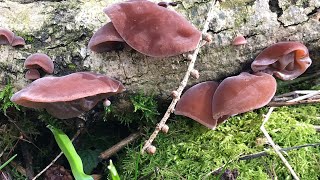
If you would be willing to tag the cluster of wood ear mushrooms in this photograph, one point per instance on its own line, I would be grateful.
(147, 27)
(7, 37)
(211, 103)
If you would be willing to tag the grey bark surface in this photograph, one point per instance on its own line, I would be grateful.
(62, 30)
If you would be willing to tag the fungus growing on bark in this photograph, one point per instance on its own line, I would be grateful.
(18, 41)
(39, 60)
(196, 103)
(68, 96)
(286, 60)
(242, 93)
(6, 36)
(239, 40)
(32, 74)
(152, 29)
(106, 39)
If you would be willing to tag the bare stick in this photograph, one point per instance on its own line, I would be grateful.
(317, 128)
(114, 149)
(264, 153)
(309, 95)
(295, 92)
(308, 101)
(56, 158)
(182, 84)
(276, 149)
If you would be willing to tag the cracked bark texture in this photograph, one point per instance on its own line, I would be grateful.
(62, 30)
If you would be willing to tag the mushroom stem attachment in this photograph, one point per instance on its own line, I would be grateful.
(195, 74)
(151, 149)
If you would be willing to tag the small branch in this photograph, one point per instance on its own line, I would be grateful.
(309, 96)
(308, 101)
(56, 158)
(117, 147)
(182, 84)
(264, 153)
(262, 128)
(317, 128)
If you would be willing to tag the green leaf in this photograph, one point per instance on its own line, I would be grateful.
(113, 171)
(90, 159)
(7, 162)
(69, 151)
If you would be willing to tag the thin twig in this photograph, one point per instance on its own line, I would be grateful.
(308, 101)
(276, 149)
(307, 98)
(264, 153)
(295, 93)
(117, 147)
(317, 128)
(56, 158)
(182, 84)
(221, 167)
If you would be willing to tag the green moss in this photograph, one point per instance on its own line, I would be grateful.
(191, 151)
(231, 4)
(72, 66)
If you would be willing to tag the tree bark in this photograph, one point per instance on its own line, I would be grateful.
(62, 30)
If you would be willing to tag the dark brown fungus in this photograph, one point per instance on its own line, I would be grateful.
(32, 74)
(286, 60)
(242, 93)
(18, 41)
(6, 36)
(39, 60)
(152, 29)
(106, 39)
(68, 96)
(196, 103)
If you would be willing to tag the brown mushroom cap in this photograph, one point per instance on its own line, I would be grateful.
(32, 74)
(106, 39)
(242, 93)
(153, 30)
(18, 41)
(68, 96)
(39, 60)
(6, 36)
(286, 60)
(196, 103)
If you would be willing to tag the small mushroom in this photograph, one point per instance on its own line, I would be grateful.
(151, 149)
(39, 60)
(242, 93)
(106, 102)
(32, 74)
(165, 129)
(239, 40)
(196, 103)
(106, 39)
(286, 60)
(6, 36)
(18, 41)
(68, 96)
(153, 30)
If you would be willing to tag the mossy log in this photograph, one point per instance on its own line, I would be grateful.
(62, 30)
